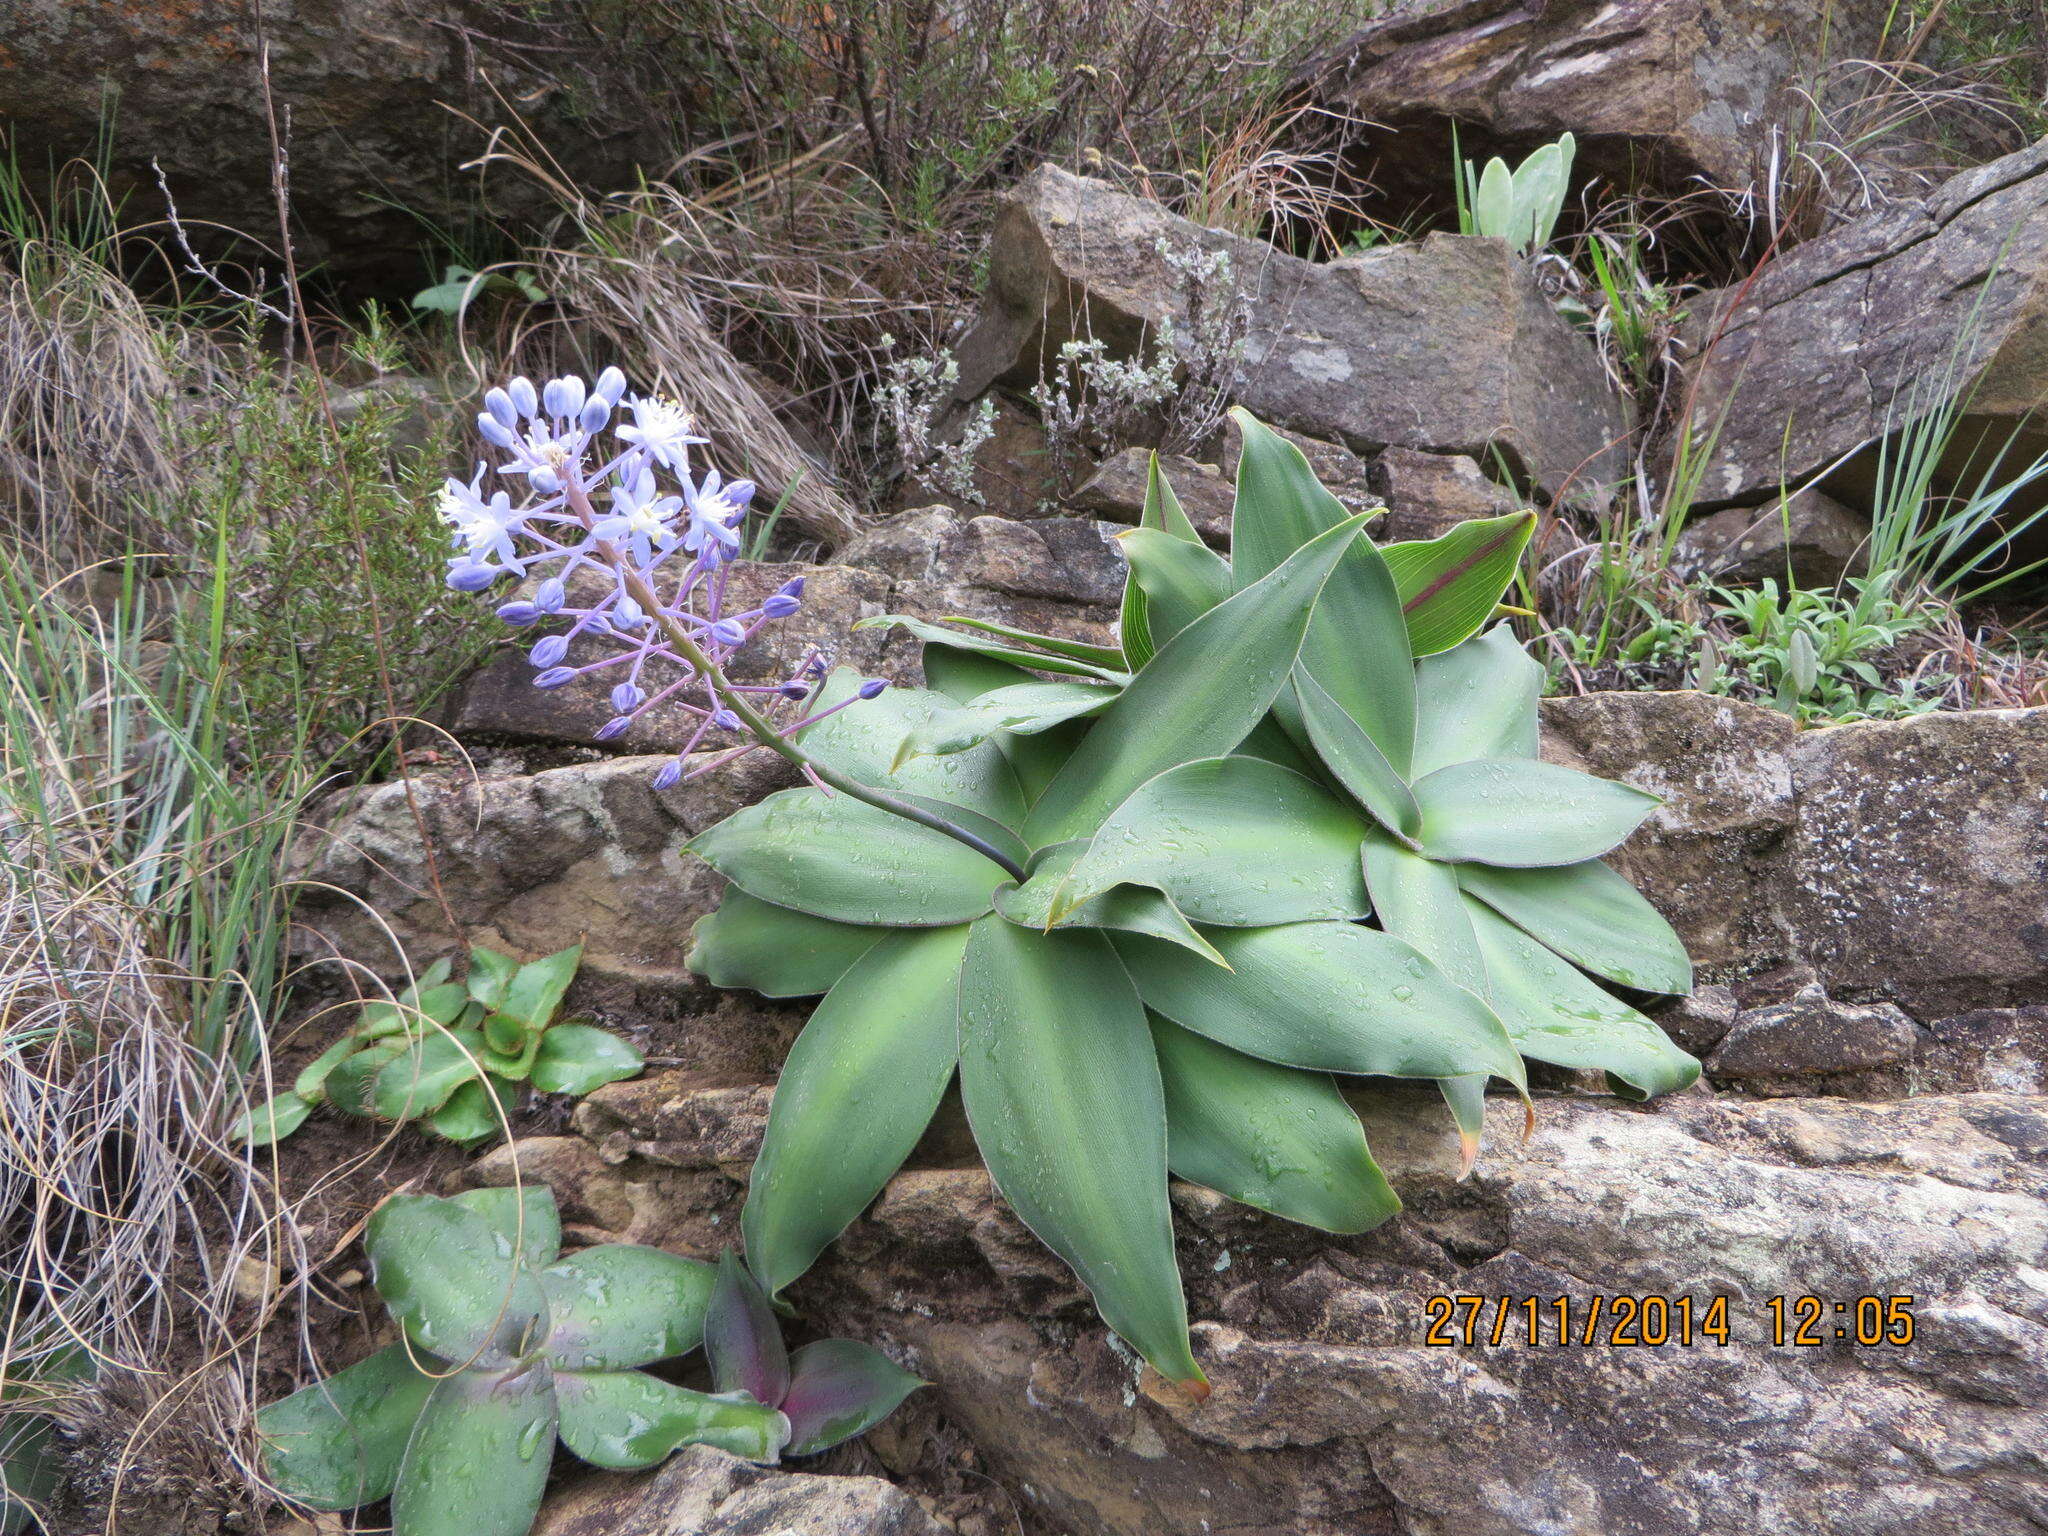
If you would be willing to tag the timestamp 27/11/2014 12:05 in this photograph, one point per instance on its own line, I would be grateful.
(1652, 1321)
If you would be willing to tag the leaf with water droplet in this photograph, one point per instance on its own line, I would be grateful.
(477, 1462)
(628, 1419)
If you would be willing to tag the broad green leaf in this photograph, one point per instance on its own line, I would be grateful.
(311, 1083)
(983, 645)
(1451, 585)
(628, 1419)
(270, 1121)
(382, 1018)
(1357, 642)
(963, 675)
(1181, 581)
(1199, 697)
(349, 1084)
(1354, 758)
(1133, 908)
(1493, 210)
(859, 1087)
(338, 1443)
(536, 989)
(478, 1459)
(835, 857)
(1062, 1089)
(490, 976)
(1231, 840)
(1590, 915)
(1328, 997)
(1557, 1015)
(505, 1036)
(1162, 509)
(1476, 700)
(1417, 899)
(442, 1275)
(474, 1112)
(1271, 742)
(839, 1388)
(419, 1081)
(621, 1305)
(1272, 1137)
(524, 1220)
(773, 950)
(1524, 813)
(575, 1058)
(1023, 709)
(742, 1339)
(862, 739)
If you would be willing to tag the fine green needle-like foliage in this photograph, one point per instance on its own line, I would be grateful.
(1293, 829)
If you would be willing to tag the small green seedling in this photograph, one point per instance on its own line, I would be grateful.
(509, 1347)
(446, 1053)
(1522, 205)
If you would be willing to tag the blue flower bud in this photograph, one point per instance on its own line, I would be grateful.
(794, 587)
(518, 614)
(520, 390)
(554, 677)
(872, 687)
(740, 492)
(495, 431)
(780, 606)
(728, 631)
(670, 776)
(551, 596)
(611, 384)
(797, 691)
(627, 697)
(613, 727)
(628, 614)
(727, 719)
(469, 576)
(595, 412)
(546, 481)
(500, 405)
(549, 651)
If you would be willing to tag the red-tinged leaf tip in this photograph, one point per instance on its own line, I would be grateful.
(1169, 1392)
(1468, 1154)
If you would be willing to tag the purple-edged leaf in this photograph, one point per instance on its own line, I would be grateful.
(838, 1389)
(477, 1462)
(338, 1442)
(621, 1304)
(742, 1338)
(450, 1284)
(628, 1419)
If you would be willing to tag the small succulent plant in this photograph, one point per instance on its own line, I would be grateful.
(508, 1347)
(1521, 205)
(446, 1052)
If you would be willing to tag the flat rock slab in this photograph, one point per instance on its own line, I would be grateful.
(1847, 337)
(1444, 345)
(703, 1492)
(1656, 91)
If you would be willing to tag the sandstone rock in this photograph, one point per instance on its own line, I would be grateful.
(531, 862)
(1921, 861)
(371, 89)
(1996, 1050)
(1332, 1416)
(1945, 297)
(1657, 91)
(703, 1492)
(1715, 857)
(1774, 1050)
(1445, 345)
(1699, 1022)
(499, 698)
(1816, 536)
(1427, 494)
(1116, 491)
